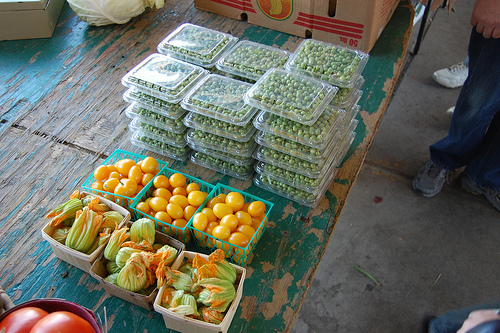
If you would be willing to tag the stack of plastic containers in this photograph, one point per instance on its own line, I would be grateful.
(156, 87)
(221, 134)
(299, 150)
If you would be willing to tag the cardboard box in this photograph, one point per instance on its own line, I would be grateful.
(28, 18)
(352, 23)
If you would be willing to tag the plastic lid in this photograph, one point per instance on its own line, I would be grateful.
(134, 110)
(152, 103)
(346, 97)
(219, 127)
(198, 45)
(331, 63)
(232, 158)
(163, 77)
(142, 140)
(174, 139)
(220, 97)
(242, 172)
(291, 95)
(212, 141)
(251, 60)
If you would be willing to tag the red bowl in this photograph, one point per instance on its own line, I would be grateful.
(54, 304)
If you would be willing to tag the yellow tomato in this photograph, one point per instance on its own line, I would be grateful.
(149, 164)
(256, 222)
(243, 218)
(230, 221)
(196, 198)
(179, 191)
(175, 211)
(162, 192)
(247, 230)
(210, 214)
(189, 212)
(97, 185)
(143, 207)
(177, 180)
(110, 185)
(192, 187)
(221, 232)
(222, 209)
(238, 239)
(215, 200)
(179, 223)
(200, 221)
(130, 187)
(256, 208)
(101, 172)
(111, 168)
(123, 166)
(115, 174)
(180, 200)
(163, 217)
(161, 181)
(158, 204)
(135, 173)
(235, 200)
(146, 178)
(210, 227)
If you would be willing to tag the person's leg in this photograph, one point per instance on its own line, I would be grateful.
(477, 104)
(451, 321)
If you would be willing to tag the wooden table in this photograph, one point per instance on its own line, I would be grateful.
(62, 113)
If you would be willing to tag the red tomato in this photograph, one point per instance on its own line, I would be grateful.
(63, 322)
(22, 320)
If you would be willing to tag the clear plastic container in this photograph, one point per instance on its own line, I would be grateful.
(242, 172)
(291, 95)
(197, 45)
(219, 127)
(164, 77)
(316, 135)
(220, 97)
(290, 192)
(346, 97)
(313, 185)
(328, 62)
(299, 150)
(232, 158)
(216, 142)
(142, 140)
(251, 60)
(167, 109)
(174, 139)
(301, 166)
(155, 119)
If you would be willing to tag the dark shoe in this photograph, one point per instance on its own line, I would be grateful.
(493, 196)
(430, 179)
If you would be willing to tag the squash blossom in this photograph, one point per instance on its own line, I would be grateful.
(224, 270)
(112, 267)
(187, 307)
(212, 316)
(143, 229)
(123, 255)
(220, 293)
(168, 296)
(64, 211)
(176, 279)
(112, 278)
(133, 275)
(144, 245)
(84, 231)
(118, 237)
(60, 234)
(111, 218)
(96, 205)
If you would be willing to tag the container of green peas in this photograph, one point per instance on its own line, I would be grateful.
(328, 62)
(219, 127)
(251, 60)
(197, 45)
(346, 97)
(143, 140)
(231, 158)
(153, 104)
(157, 133)
(164, 77)
(216, 142)
(242, 172)
(220, 97)
(291, 95)
(155, 119)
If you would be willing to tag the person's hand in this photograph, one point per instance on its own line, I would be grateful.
(486, 18)
(477, 318)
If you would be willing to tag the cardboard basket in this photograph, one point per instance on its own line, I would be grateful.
(182, 323)
(239, 255)
(74, 257)
(182, 234)
(112, 159)
(99, 272)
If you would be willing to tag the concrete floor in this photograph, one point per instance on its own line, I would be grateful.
(429, 255)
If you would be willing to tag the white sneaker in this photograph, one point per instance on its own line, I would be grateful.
(452, 77)
(450, 111)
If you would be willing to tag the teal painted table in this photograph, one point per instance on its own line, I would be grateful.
(62, 113)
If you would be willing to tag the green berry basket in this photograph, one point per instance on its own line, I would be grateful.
(116, 156)
(182, 234)
(239, 255)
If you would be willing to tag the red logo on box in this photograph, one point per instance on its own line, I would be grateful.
(326, 24)
(276, 9)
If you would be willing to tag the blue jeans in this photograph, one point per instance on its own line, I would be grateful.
(474, 135)
(451, 321)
